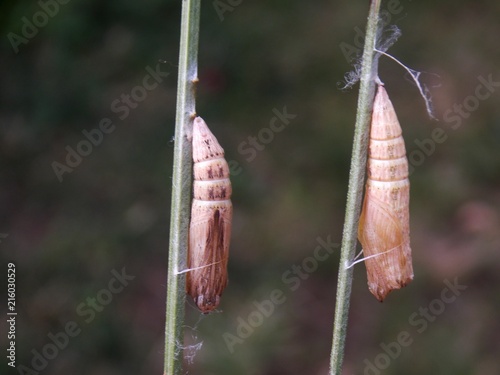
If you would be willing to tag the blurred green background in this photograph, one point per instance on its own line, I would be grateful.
(112, 210)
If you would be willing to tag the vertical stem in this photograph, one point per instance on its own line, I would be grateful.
(355, 190)
(181, 186)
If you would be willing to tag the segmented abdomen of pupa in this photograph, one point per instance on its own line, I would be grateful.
(384, 223)
(211, 216)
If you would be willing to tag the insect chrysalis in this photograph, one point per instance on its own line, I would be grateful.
(384, 228)
(211, 215)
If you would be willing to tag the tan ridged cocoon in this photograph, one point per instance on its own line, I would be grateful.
(384, 224)
(211, 216)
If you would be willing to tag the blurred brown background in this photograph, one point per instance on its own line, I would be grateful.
(112, 210)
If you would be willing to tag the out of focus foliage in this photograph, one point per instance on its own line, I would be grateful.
(112, 210)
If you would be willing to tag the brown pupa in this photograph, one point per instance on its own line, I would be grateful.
(211, 216)
(384, 227)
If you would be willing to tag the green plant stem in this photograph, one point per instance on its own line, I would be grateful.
(181, 186)
(355, 190)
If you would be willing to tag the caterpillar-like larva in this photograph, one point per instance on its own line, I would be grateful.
(211, 216)
(384, 226)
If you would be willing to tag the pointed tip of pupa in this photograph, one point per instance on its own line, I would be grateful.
(200, 127)
(205, 145)
(385, 124)
(382, 102)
